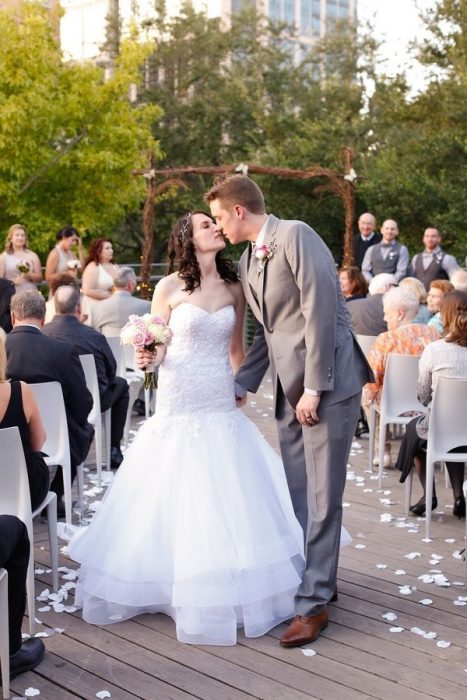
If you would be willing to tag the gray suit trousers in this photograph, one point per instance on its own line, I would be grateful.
(315, 461)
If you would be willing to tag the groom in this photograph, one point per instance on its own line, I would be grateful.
(304, 334)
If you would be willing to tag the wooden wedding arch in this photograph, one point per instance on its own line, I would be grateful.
(341, 184)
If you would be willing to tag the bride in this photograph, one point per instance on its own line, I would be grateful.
(198, 523)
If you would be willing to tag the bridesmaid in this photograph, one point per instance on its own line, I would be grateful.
(98, 274)
(62, 258)
(19, 264)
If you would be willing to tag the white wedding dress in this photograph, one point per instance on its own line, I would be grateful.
(198, 523)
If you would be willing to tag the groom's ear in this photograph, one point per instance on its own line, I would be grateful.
(240, 211)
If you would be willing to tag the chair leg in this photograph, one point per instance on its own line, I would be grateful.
(52, 528)
(371, 438)
(408, 493)
(4, 635)
(30, 590)
(67, 495)
(98, 443)
(381, 446)
(428, 494)
(107, 433)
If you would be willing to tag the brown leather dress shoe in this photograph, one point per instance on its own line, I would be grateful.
(304, 630)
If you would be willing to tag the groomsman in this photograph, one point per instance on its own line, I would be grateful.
(433, 263)
(304, 335)
(365, 238)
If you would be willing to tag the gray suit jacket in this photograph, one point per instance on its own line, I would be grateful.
(304, 327)
(110, 315)
(367, 315)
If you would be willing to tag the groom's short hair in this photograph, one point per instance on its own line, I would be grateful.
(237, 189)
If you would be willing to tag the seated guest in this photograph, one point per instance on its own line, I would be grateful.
(418, 290)
(111, 314)
(7, 289)
(403, 337)
(353, 283)
(459, 280)
(33, 357)
(438, 288)
(14, 558)
(113, 390)
(18, 408)
(388, 256)
(444, 358)
(367, 314)
(433, 263)
(58, 281)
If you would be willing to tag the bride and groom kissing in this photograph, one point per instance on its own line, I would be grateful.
(232, 535)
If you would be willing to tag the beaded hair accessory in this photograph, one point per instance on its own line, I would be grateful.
(183, 232)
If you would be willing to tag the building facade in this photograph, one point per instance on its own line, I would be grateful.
(83, 26)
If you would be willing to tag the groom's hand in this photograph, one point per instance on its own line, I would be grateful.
(307, 409)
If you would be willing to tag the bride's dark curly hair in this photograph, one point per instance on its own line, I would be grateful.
(182, 256)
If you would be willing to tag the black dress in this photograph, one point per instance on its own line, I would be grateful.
(38, 471)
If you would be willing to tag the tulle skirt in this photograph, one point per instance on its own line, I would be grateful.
(198, 524)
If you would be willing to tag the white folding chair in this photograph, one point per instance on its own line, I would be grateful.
(399, 395)
(447, 430)
(15, 499)
(95, 417)
(117, 352)
(4, 635)
(366, 342)
(49, 397)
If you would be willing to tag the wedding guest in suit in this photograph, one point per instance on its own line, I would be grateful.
(404, 337)
(14, 557)
(34, 358)
(111, 314)
(7, 289)
(113, 390)
(367, 315)
(304, 335)
(18, 263)
(446, 357)
(62, 257)
(433, 263)
(418, 290)
(388, 256)
(353, 283)
(18, 408)
(365, 238)
(438, 288)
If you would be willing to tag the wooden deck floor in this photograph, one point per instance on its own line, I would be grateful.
(360, 655)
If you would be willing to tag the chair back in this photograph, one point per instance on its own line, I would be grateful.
(49, 397)
(15, 497)
(399, 393)
(366, 342)
(448, 416)
(117, 352)
(90, 374)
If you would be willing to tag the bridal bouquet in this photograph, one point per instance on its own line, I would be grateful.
(146, 332)
(23, 266)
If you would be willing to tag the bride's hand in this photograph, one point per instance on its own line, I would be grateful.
(145, 359)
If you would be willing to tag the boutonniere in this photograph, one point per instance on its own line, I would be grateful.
(263, 253)
(438, 257)
(392, 255)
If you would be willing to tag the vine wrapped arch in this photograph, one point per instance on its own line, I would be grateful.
(341, 184)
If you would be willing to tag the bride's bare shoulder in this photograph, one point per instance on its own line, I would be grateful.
(169, 285)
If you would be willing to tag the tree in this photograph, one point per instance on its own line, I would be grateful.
(68, 139)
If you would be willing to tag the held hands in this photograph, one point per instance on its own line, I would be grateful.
(241, 400)
(307, 410)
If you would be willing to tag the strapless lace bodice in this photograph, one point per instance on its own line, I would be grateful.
(196, 375)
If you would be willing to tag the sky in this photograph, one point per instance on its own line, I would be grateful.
(396, 24)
